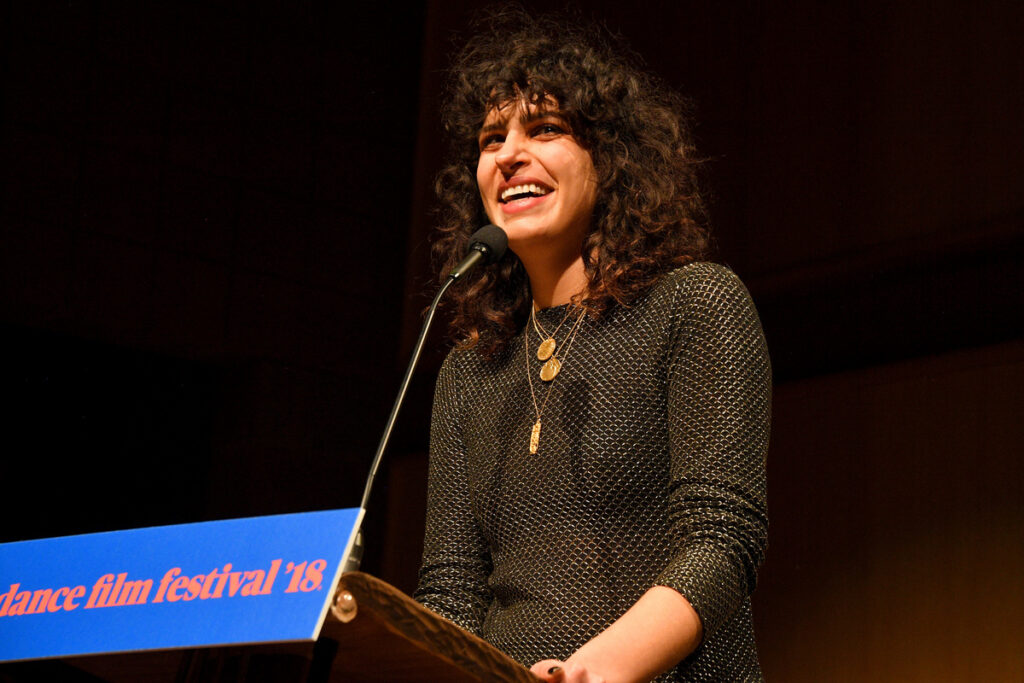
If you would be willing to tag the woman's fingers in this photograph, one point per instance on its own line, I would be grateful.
(550, 670)
(554, 671)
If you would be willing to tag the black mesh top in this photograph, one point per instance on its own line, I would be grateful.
(650, 471)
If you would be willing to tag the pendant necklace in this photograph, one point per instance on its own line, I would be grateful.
(546, 350)
(539, 410)
(547, 346)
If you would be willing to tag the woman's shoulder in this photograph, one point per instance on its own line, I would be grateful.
(465, 357)
(709, 300)
(704, 281)
(456, 358)
(702, 273)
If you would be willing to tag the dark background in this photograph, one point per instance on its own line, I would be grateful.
(215, 226)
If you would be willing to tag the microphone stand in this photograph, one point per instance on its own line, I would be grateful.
(355, 557)
(484, 250)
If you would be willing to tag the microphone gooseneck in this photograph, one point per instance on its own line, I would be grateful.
(486, 245)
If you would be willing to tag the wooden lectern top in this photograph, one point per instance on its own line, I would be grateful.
(384, 635)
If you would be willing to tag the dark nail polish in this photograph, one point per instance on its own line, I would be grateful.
(554, 670)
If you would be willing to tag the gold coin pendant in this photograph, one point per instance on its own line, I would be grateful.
(550, 369)
(546, 348)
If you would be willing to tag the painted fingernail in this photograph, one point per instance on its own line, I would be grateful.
(554, 670)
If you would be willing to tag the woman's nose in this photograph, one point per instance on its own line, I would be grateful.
(512, 154)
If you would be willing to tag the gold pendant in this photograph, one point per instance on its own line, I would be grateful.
(546, 348)
(550, 369)
(534, 437)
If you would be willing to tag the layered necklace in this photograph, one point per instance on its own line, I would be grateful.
(552, 365)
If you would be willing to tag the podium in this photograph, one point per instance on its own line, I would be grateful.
(383, 635)
(234, 601)
(373, 633)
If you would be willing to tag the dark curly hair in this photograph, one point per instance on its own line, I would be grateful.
(649, 216)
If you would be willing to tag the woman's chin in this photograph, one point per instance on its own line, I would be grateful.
(522, 241)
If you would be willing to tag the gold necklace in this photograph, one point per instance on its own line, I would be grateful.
(547, 347)
(539, 410)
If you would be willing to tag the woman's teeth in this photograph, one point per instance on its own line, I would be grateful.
(520, 191)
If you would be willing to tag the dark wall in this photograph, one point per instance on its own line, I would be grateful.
(204, 213)
(897, 523)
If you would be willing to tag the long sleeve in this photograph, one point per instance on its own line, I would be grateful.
(456, 561)
(719, 413)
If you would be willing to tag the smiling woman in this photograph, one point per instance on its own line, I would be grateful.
(649, 214)
(539, 185)
(596, 500)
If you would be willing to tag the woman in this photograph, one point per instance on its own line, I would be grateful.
(597, 487)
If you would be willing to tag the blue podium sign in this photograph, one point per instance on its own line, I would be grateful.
(233, 582)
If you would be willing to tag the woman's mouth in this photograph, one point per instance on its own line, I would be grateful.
(520, 192)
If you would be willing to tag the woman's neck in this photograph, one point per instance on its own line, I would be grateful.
(553, 283)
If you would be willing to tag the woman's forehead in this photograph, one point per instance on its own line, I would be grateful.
(521, 108)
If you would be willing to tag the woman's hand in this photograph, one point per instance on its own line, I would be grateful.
(652, 636)
(554, 671)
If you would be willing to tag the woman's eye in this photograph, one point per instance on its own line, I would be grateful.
(548, 129)
(491, 141)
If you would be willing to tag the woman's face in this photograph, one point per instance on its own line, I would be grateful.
(535, 180)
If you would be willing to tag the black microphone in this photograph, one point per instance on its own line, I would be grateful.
(488, 244)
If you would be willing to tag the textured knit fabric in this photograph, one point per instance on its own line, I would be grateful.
(650, 471)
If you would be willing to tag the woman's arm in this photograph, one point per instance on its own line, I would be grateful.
(719, 384)
(456, 561)
(719, 420)
(655, 634)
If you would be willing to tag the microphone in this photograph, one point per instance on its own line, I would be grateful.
(487, 245)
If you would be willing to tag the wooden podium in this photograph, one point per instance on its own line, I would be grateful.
(384, 635)
(373, 633)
